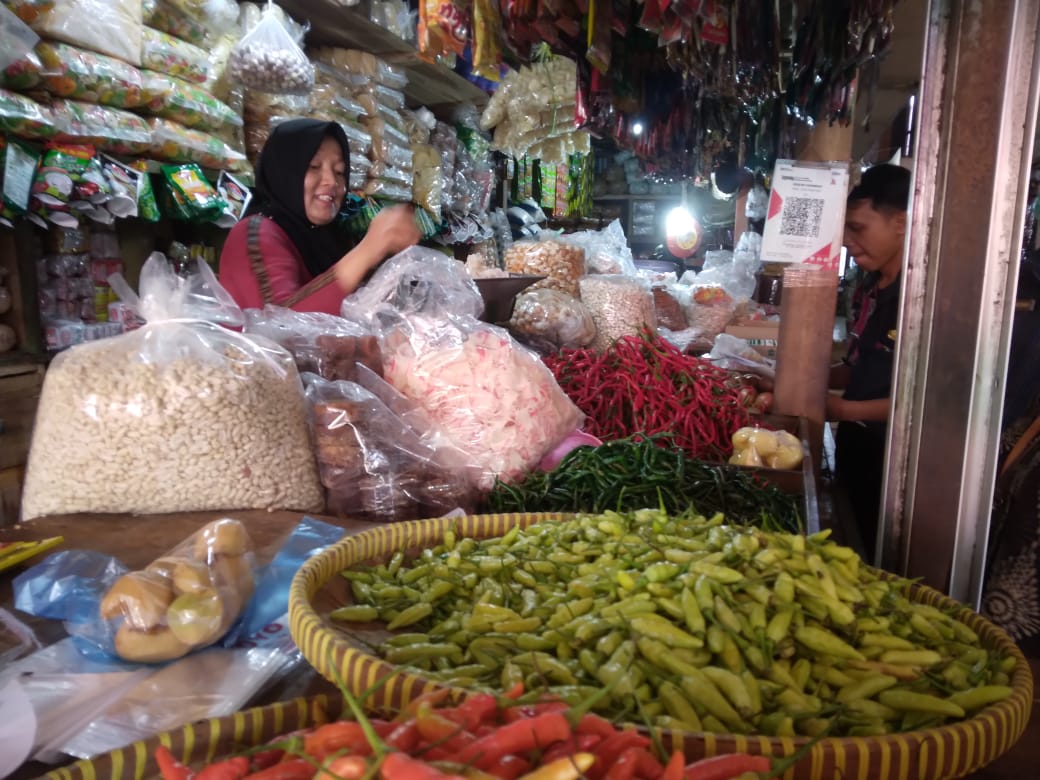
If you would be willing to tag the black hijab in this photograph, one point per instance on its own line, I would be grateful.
(278, 194)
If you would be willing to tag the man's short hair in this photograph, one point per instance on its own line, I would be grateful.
(885, 186)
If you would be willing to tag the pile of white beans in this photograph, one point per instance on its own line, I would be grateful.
(205, 428)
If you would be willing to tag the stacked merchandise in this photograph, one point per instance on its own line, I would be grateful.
(73, 306)
(114, 78)
(377, 88)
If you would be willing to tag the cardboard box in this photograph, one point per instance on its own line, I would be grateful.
(762, 336)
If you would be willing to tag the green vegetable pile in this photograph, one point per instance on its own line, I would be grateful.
(629, 474)
(687, 623)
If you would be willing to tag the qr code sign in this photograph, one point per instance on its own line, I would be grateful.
(801, 217)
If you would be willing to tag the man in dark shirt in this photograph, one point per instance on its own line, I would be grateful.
(875, 231)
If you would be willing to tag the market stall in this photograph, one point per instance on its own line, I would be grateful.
(526, 464)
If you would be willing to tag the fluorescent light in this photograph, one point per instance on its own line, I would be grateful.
(637, 128)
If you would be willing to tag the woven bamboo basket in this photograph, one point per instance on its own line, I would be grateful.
(929, 754)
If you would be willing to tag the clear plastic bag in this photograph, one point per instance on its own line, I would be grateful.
(553, 315)
(186, 104)
(493, 399)
(668, 306)
(392, 153)
(382, 131)
(321, 344)
(174, 57)
(112, 27)
(428, 184)
(417, 279)
(387, 190)
(173, 142)
(620, 306)
(24, 117)
(606, 250)
(179, 415)
(359, 140)
(736, 354)
(362, 63)
(16, 38)
(390, 174)
(562, 263)
(22, 74)
(419, 125)
(218, 16)
(162, 16)
(374, 465)
(84, 75)
(267, 58)
(373, 108)
(109, 129)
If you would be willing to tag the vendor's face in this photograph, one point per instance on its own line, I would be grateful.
(874, 238)
(325, 183)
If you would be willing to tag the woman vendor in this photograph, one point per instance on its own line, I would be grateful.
(287, 250)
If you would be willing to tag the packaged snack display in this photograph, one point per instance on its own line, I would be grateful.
(620, 306)
(184, 601)
(195, 198)
(94, 78)
(562, 264)
(390, 153)
(189, 105)
(669, 309)
(109, 129)
(606, 250)
(383, 132)
(112, 27)
(173, 142)
(165, 17)
(428, 182)
(550, 314)
(24, 117)
(23, 74)
(267, 58)
(362, 63)
(218, 15)
(374, 465)
(321, 344)
(174, 57)
(236, 197)
(387, 190)
(182, 396)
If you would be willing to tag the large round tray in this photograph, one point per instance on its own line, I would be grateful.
(929, 754)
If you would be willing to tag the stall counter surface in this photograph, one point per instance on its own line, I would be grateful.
(137, 541)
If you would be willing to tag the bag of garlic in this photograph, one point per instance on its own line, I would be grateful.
(180, 415)
(268, 59)
(491, 398)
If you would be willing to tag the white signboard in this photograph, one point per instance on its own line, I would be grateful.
(806, 216)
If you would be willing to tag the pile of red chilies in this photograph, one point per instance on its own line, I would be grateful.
(645, 385)
(479, 739)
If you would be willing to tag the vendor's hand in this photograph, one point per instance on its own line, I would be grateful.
(835, 411)
(394, 229)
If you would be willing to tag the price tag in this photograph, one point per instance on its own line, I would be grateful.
(19, 168)
(806, 217)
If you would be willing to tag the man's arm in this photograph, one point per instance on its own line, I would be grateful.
(841, 410)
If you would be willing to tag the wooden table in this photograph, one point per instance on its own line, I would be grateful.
(137, 541)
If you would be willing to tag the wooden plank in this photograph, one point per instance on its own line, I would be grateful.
(11, 480)
(19, 397)
(429, 83)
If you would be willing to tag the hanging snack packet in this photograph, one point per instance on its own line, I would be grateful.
(61, 168)
(95, 78)
(123, 183)
(147, 205)
(19, 168)
(236, 199)
(487, 46)
(24, 117)
(268, 59)
(109, 129)
(196, 198)
(23, 74)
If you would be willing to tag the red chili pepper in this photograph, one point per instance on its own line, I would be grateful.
(509, 767)
(648, 767)
(404, 737)
(295, 769)
(398, 766)
(674, 769)
(612, 747)
(433, 698)
(473, 711)
(624, 768)
(336, 737)
(541, 732)
(560, 750)
(230, 769)
(726, 767)
(516, 691)
(343, 768)
(591, 723)
(169, 767)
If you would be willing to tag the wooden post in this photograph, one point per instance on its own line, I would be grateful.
(803, 324)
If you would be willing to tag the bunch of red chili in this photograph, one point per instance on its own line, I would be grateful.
(478, 739)
(645, 385)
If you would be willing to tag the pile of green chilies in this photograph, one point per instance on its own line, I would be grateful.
(637, 473)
